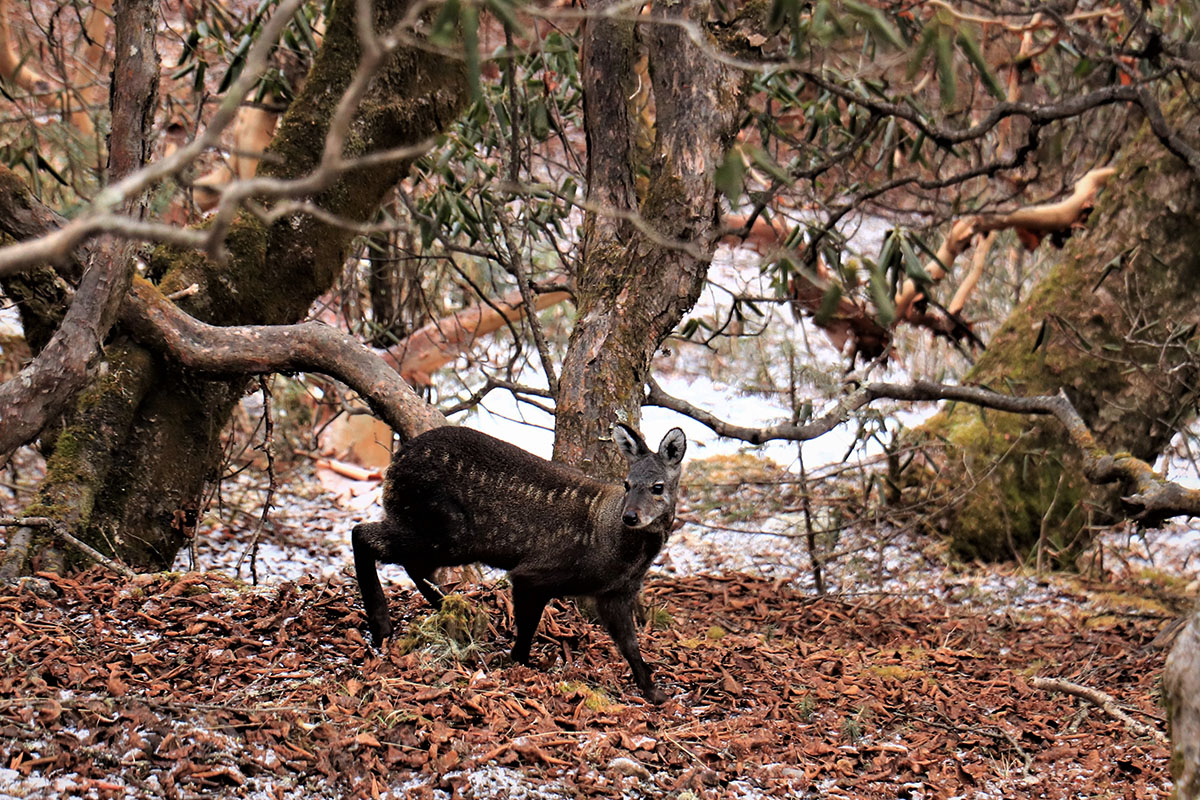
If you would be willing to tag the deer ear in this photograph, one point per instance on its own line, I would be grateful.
(673, 446)
(631, 444)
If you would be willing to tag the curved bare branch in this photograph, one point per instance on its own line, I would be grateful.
(256, 349)
(1155, 497)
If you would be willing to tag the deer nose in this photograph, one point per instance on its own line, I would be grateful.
(630, 518)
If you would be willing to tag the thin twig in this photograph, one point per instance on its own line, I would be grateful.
(810, 535)
(268, 440)
(61, 531)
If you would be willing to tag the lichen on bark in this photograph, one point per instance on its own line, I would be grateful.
(85, 451)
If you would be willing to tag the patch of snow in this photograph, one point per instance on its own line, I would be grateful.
(1171, 549)
(498, 781)
(10, 321)
(15, 786)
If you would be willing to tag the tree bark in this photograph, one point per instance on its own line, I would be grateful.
(260, 349)
(171, 447)
(1181, 693)
(42, 389)
(636, 281)
(1114, 326)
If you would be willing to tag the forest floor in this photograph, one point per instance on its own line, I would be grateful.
(914, 677)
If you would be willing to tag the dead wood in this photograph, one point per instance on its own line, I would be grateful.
(852, 321)
(443, 340)
(1035, 222)
(938, 268)
(60, 530)
(1103, 700)
(253, 128)
(1031, 225)
(17, 66)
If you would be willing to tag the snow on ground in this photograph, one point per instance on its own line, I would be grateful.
(309, 530)
(308, 533)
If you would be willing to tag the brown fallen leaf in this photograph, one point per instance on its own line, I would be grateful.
(729, 684)
(116, 686)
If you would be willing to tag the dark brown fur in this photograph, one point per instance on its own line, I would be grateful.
(456, 496)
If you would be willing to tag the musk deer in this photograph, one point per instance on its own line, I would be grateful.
(456, 496)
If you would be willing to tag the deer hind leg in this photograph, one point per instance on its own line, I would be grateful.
(528, 604)
(368, 539)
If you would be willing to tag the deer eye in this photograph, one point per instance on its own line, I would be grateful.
(657, 489)
(626, 486)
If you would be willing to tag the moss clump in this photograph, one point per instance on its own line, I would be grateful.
(1006, 482)
(1123, 601)
(660, 618)
(84, 450)
(1011, 478)
(594, 699)
(895, 672)
(451, 632)
(1101, 622)
(741, 485)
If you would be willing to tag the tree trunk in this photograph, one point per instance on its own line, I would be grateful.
(148, 496)
(1114, 326)
(1181, 694)
(61, 367)
(637, 281)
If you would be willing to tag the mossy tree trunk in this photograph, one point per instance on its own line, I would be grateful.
(1113, 326)
(135, 454)
(634, 287)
